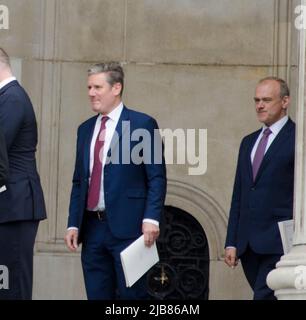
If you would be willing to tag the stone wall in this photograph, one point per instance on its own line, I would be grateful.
(188, 63)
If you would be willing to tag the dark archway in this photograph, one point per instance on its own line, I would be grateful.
(183, 270)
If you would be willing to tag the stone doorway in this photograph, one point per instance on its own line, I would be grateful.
(183, 270)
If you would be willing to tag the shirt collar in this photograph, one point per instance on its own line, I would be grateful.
(277, 126)
(6, 81)
(114, 114)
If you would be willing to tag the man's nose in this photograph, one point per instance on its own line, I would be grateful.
(260, 104)
(91, 92)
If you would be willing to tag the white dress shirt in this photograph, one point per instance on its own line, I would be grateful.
(275, 129)
(110, 125)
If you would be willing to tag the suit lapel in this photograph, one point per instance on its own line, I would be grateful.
(274, 147)
(120, 129)
(249, 151)
(115, 139)
(87, 143)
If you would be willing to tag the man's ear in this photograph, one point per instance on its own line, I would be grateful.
(117, 87)
(286, 101)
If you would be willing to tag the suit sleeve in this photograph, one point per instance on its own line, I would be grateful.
(11, 118)
(156, 174)
(231, 238)
(4, 166)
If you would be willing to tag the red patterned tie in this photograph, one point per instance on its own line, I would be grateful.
(95, 181)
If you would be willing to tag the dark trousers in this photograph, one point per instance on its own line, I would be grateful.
(16, 253)
(256, 268)
(102, 269)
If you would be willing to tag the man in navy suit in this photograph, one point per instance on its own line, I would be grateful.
(117, 193)
(22, 203)
(263, 188)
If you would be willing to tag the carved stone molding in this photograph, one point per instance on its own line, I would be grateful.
(205, 209)
(50, 73)
(284, 36)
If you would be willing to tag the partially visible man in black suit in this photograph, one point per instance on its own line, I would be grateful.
(263, 189)
(22, 204)
(3, 163)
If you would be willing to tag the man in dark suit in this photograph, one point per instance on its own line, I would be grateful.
(116, 196)
(21, 204)
(263, 188)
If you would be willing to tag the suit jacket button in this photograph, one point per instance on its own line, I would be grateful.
(253, 188)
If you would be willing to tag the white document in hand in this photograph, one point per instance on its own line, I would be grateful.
(286, 232)
(137, 259)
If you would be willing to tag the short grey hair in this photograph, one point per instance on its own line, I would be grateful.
(284, 89)
(113, 70)
(4, 58)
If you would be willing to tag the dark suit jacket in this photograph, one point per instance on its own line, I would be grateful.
(23, 199)
(258, 206)
(4, 167)
(132, 192)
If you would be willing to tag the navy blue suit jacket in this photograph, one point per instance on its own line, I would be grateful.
(258, 205)
(132, 191)
(23, 199)
(4, 167)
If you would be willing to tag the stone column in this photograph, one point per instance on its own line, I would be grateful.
(288, 280)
